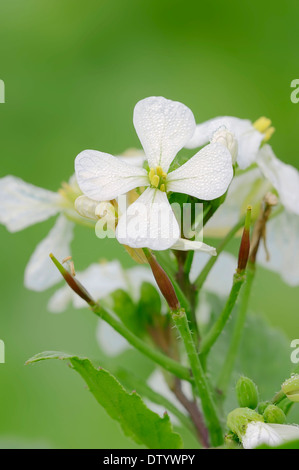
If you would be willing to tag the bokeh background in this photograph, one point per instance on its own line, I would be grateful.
(73, 72)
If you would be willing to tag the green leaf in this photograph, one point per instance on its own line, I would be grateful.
(137, 421)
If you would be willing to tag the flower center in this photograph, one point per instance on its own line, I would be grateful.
(263, 125)
(157, 178)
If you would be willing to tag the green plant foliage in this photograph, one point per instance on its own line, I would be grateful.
(137, 421)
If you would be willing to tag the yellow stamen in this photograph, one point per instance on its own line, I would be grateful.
(155, 180)
(159, 171)
(262, 124)
(268, 134)
(151, 173)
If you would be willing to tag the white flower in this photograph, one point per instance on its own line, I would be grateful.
(258, 433)
(283, 247)
(284, 178)
(22, 205)
(163, 127)
(282, 229)
(249, 136)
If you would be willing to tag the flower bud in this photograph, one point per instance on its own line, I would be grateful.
(86, 207)
(226, 138)
(245, 243)
(238, 420)
(291, 388)
(262, 406)
(163, 281)
(274, 414)
(246, 392)
(74, 284)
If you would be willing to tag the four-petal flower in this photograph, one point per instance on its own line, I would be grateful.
(163, 127)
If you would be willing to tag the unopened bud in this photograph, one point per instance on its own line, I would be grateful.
(74, 284)
(262, 406)
(163, 281)
(245, 243)
(246, 392)
(291, 388)
(86, 207)
(274, 414)
(238, 420)
(226, 138)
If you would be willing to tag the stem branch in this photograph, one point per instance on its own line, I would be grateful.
(209, 265)
(166, 362)
(229, 362)
(203, 388)
(213, 334)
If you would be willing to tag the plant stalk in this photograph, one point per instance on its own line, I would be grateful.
(201, 383)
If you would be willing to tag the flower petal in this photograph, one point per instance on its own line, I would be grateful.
(111, 342)
(287, 432)
(149, 222)
(40, 273)
(284, 178)
(60, 300)
(219, 280)
(206, 176)
(103, 177)
(245, 189)
(249, 139)
(101, 280)
(136, 276)
(23, 204)
(283, 247)
(185, 245)
(163, 127)
(258, 433)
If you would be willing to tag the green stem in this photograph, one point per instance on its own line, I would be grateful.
(213, 334)
(229, 362)
(167, 363)
(188, 263)
(209, 265)
(201, 383)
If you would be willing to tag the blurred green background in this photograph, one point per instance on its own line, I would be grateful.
(73, 72)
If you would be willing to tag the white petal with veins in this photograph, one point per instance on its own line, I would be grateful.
(284, 178)
(185, 245)
(103, 177)
(206, 176)
(40, 272)
(23, 204)
(163, 127)
(283, 247)
(149, 222)
(258, 433)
